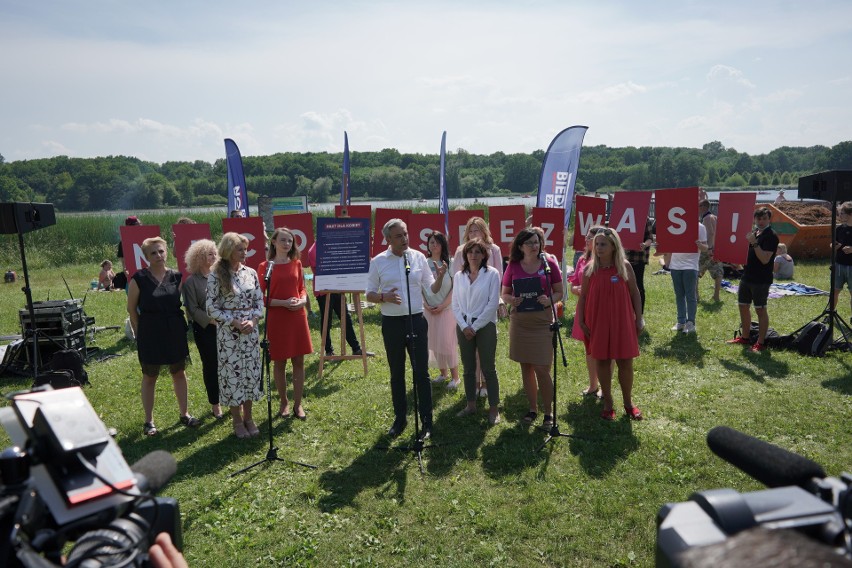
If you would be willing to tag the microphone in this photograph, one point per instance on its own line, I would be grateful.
(154, 470)
(407, 263)
(769, 464)
(543, 257)
(269, 266)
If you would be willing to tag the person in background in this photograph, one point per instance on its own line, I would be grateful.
(843, 253)
(287, 321)
(237, 214)
(477, 228)
(783, 269)
(386, 286)
(156, 320)
(437, 309)
(119, 282)
(530, 337)
(334, 303)
(200, 258)
(638, 259)
(610, 314)
(684, 272)
(706, 261)
(235, 301)
(756, 280)
(106, 276)
(780, 198)
(476, 291)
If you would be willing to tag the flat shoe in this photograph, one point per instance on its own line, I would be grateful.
(530, 417)
(190, 421)
(303, 416)
(598, 394)
(466, 411)
(608, 415)
(548, 420)
(252, 428)
(494, 419)
(149, 429)
(633, 412)
(240, 430)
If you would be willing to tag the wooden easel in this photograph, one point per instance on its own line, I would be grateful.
(356, 299)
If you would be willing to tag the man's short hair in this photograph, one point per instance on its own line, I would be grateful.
(390, 225)
(762, 212)
(704, 203)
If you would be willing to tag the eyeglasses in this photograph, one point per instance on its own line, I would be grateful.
(604, 232)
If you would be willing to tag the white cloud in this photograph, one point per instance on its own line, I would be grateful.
(728, 74)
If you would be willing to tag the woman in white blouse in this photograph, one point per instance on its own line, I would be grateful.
(476, 293)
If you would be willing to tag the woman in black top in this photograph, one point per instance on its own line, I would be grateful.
(154, 306)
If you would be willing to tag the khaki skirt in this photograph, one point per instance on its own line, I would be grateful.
(530, 338)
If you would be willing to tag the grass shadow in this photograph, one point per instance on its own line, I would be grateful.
(599, 445)
(458, 438)
(683, 348)
(771, 368)
(842, 383)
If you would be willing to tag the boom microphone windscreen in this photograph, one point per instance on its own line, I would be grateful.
(156, 469)
(771, 465)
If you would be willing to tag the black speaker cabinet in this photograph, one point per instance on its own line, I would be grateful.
(25, 217)
(834, 185)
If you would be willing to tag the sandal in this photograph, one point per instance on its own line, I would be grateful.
(303, 416)
(530, 417)
(548, 420)
(608, 415)
(598, 394)
(240, 429)
(190, 421)
(149, 429)
(633, 412)
(252, 428)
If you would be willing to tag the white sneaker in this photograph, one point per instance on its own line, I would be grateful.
(483, 392)
(439, 379)
(689, 327)
(677, 327)
(453, 385)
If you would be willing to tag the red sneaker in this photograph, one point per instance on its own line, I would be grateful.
(740, 340)
(758, 347)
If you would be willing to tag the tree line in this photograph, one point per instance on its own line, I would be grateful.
(121, 182)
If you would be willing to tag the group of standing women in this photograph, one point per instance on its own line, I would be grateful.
(224, 301)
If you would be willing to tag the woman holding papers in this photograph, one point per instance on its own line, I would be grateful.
(531, 273)
(476, 293)
(287, 323)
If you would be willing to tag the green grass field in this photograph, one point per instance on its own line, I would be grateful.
(487, 497)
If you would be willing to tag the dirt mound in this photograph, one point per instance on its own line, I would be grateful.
(806, 213)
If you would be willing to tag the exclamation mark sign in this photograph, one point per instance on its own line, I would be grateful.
(734, 222)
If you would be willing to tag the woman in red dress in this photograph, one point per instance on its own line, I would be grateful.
(610, 315)
(287, 322)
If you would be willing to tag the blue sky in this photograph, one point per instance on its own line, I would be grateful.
(169, 80)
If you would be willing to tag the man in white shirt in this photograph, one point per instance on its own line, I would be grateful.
(386, 286)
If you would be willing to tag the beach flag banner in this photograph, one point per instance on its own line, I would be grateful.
(444, 204)
(382, 217)
(551, 222)
(252, 229)
(131, 246)
(456, 224)
(735, 218)
(420, 226)
(677, 219)
(559, 171)
(345, 198)
(302, 226)
(591, 211)
(629, 216)
(186, 234)
(504, 222)
(237, 195)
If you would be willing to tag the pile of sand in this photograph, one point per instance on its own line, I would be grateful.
(806, 213)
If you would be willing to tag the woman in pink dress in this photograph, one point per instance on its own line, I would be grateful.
(610, 315)
(443, 347)
(287, 323)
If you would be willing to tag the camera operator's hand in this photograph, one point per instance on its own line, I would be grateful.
(163, 553)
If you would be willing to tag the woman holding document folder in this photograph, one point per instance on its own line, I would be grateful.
(525, 288)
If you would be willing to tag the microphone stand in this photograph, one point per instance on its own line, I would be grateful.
(272, 452)
(553, 432)
(418, 445)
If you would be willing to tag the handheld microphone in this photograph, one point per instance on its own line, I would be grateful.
(769, 464)
(154, 470)
(269, 266)
(543, 257)
(407, 263)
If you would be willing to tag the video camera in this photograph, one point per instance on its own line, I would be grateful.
(65, 481)
(801, 497)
